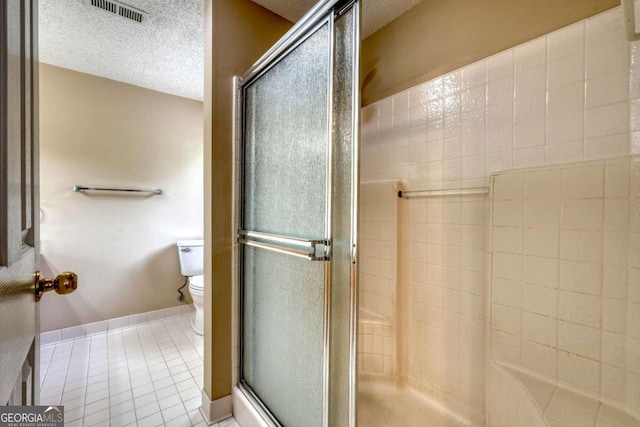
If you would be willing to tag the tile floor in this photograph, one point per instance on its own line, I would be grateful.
(145, 375)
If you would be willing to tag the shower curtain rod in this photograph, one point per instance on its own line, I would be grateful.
(444, 192)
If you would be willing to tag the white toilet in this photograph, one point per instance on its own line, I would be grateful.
(192, 266)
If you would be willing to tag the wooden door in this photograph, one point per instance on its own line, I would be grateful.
(19, 207)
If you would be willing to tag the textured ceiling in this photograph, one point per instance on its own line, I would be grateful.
(166, 53)
(375, 13)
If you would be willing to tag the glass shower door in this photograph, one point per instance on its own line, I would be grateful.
(297, 228)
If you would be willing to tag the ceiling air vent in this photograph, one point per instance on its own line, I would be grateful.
(120, 9)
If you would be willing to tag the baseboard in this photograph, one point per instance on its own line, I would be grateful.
(89, 329)
(217, 410)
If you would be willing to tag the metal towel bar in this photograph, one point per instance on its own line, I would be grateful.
(81, 188)
(314, 250)
(444, 192)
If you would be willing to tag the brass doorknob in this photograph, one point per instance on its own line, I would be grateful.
(65, 283)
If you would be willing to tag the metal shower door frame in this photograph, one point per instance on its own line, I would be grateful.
(324, 13)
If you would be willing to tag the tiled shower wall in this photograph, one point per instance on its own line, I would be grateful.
(378, 324)
(564, 275)
(564, 97)
(443, 240)
(378, 225)
(560, 98)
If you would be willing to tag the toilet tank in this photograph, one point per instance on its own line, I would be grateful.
(191, 257)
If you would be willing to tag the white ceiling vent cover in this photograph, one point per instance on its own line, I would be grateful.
(120, 9)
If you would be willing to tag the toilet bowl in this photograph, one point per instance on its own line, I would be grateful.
(191, 257)
(196, 289)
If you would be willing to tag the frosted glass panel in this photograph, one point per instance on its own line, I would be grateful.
(286, 143)
(283, 334)
(285, 173)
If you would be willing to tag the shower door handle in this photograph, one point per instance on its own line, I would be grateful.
(312, 250)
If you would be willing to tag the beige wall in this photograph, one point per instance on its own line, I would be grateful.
(238, 33)
(439, 36)
(95, 131)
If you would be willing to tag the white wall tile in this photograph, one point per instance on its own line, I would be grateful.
(96, 327)
(542, 213)
(614, 383)
(607, 59)
(50, 337)
(542, 184)
(564, 99)
(541, 242)
(580, 371)
(540, 299)
(565, 127)
(500, 65)
(608, 89)
(541, 271)
(565, 152)
(567, 70)
(452, 82)
(530, 133)
(137, 319)
(583, 182)
(633, 326)
(505, 346)
(72, 332)
(581, 309)
(604, 28)
(507, 319)
(507, 292)
(154, 316)
(530, 156)
(614, 315)
(501, 161)
(613, 349)
(581, 277)
(541, 329)
(616, 248)
(540, 358)
(500, 138)
(530, 55)
(579, 245)
(614, 281)
(566, 42)
(117, 323)
(530, 81)
(508, 213)
(508, 239)
(608, 120)
(474, 75)
(604, 146)
(582, 214)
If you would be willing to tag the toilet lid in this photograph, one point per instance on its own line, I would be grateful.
(196, 282)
